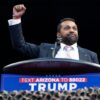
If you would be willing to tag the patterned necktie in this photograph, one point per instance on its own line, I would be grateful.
(68, 50)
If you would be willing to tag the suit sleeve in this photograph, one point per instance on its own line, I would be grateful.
(95, 58)
(19, 43)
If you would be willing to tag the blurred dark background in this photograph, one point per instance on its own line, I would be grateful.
(40, 22)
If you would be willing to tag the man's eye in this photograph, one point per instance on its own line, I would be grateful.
(75, 28)
(66, 28)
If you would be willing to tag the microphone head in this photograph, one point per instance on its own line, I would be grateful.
(59, 39)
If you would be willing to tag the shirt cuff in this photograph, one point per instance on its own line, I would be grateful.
(14, 21)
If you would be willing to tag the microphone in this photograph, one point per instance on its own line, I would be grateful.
(59, 39)
(57, 43)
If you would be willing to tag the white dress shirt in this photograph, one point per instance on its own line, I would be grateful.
(70, 52)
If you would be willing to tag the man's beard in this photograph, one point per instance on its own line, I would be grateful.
(70, 39)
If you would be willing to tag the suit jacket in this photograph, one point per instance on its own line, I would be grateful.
(44, 50)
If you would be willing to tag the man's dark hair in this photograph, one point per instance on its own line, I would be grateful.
(62, 20)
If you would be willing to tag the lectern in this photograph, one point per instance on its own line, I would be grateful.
(50, 74)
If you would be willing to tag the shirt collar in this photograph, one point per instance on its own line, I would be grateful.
(63, 45)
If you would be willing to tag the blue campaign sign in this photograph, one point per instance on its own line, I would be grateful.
(12, 82)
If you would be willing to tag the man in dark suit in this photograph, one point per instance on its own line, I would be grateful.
(66, 47)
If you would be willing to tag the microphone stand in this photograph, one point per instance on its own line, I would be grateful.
(57, 43)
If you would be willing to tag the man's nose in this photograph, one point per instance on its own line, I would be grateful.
(71, 30)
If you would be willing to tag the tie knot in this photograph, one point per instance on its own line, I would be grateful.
(68, 48)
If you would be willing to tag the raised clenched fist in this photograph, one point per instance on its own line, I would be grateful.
(18, 11)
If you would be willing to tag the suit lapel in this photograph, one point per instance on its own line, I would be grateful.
(82, 54)
(58, 47)
(52, 50)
